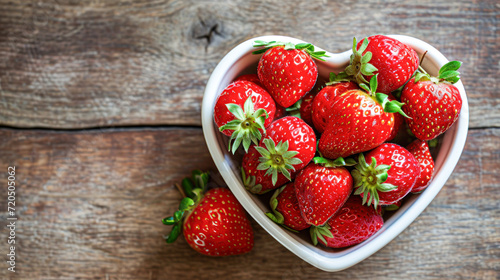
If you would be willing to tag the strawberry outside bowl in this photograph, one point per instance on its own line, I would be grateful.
(240, 60)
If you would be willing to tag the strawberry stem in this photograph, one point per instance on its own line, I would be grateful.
(320, 232)
(246, 126)
(277, 159)
(249, 183)
(369, 179)
(359, 66)
(307, 47)
(340, 161)
(193, 189)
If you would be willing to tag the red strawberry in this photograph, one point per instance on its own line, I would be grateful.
(386, 176)
(286, 70)
(359, 121)
(324, 101)
(242, 111)
(215, 224)
(420, 150)
(306, 108)
(351, 225)
(285, 209)
(249, 77)
(392, 60)
(289, 145)
(433, 104)
(321, 189)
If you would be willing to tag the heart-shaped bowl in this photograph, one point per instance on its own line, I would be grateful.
(240, 60)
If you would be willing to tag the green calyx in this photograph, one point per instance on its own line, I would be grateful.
(340, 161)
(307, 47)
(277, 159)
(275, 215)
(294, 110)
(360, 65)
(338, 78)
(246, 125)
(389, 106)
(447, 74)
(369, 179)
(193, 189)
(320, 232)
(249, 183)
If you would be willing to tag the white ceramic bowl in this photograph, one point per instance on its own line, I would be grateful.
(240, 60)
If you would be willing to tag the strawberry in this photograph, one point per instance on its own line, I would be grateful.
(306, 108)
(433, 104)
(420, 150)
(289, 145)
(287, 70)
(324, 101)
(386, 176)
(213, 223)
(359, 121)
(321, 189)
(285, 209)
(351, 225)
(392, 60)
(249, 77)
(243, 111)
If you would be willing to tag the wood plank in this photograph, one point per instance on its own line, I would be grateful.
(90, 205)
(78, 64)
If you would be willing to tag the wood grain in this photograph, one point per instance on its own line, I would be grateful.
(90, 205)
(80, 64)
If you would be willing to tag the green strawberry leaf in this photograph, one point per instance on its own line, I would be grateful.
(307, 47)
(168, 221)
(450, 66)
(176, 230)
(186, 203)
(188, 186)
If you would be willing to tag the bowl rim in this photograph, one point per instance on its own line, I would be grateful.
(334, 261)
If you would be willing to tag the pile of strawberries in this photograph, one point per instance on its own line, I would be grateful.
(337, 157)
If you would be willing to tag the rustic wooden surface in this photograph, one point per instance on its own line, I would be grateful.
(100, 113)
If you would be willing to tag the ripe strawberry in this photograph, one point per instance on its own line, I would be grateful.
(287, 70)
(420, 150)
(359, 121)
(323, 102)
(351, 225)
(249, 77)
(321, 189)
(289, 145)
(243, 110)
(285, 209)
(386, 176)
(215, 224)
(433, 104)
(392, 60)
(306, 108)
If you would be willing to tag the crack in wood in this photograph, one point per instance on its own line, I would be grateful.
(209, 34)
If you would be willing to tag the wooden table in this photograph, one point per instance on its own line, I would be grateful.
(100, 115)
